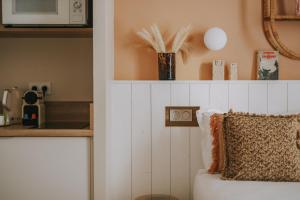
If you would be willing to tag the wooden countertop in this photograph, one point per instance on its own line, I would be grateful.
(20, 131)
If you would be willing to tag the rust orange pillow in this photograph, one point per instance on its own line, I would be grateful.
(216, 125)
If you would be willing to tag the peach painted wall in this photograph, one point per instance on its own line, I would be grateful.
(241, 19)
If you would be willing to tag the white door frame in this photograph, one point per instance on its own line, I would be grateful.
(103, 42)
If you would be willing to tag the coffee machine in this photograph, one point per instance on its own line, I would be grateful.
(33, 109)
(12, 106)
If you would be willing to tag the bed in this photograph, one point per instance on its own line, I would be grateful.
(211, 187)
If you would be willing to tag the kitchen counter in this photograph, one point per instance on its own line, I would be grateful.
(21, 131)
(63, 119)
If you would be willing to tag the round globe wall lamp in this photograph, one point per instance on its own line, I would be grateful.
(215, 39)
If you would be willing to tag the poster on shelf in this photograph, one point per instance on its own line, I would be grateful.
(268, 65)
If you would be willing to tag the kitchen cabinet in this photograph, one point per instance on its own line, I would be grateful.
(45, 168)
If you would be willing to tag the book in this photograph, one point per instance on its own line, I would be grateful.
(268, 65)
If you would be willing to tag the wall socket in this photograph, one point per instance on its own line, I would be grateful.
(40, 85)
(181, 116)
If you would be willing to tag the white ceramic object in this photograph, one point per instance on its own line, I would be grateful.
(2, 120)
(215, 39)
(218, 70)
(233, 71)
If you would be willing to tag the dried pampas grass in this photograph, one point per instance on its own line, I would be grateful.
(158, 38)
(155, 39)
(180, 38)
(145, 35)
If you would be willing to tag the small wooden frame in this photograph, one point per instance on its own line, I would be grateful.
(184, 123)
(269, 18)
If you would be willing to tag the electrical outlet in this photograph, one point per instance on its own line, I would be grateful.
(40, 85)
(181, 116)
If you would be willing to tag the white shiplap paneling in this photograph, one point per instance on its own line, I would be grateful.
(258, 97)
(147, 157)
(238, 97)
(277, 97)
(141, 139)
(219, 96)
(161, 139)
(180, 143)
(294, 97)
(120, 144)
(199, 96)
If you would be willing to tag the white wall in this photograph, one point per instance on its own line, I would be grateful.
(103, 72)
(147, 157)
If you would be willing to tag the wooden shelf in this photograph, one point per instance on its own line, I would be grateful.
(287, 17)
(20, 131)
(46, 32)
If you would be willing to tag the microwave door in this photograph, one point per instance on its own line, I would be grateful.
(35, 12)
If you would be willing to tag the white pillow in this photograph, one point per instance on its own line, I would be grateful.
(203, 117)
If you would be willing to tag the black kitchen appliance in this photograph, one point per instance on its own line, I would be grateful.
(33, 108)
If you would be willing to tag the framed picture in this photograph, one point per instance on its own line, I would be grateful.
(268, 65)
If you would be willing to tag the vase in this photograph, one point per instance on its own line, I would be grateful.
(166, 66)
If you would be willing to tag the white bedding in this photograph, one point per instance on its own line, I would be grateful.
(211, 187)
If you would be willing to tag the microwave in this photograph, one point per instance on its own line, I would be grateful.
(28, 13)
